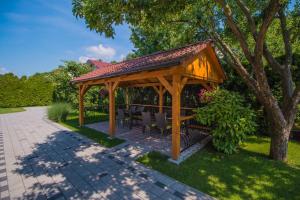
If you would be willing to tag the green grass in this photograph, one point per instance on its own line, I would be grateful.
(10, 110)
(101, 138)
(249, 174)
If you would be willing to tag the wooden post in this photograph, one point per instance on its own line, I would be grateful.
(161, 98)
(81, 105)
(111, 110)
(112, 113)
(176, 116)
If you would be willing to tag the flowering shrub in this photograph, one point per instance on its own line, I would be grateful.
(203, 97)
(230, 119)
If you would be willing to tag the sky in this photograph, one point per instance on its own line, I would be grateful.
(38, 35)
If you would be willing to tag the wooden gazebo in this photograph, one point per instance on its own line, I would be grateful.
(166, 71)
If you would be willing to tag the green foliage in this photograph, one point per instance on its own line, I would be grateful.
(230, 119)
(64, 90)
(35, 90)
(45, 88)
(161, 25)
(59, 111)
(11, 110)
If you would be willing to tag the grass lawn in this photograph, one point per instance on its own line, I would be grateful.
(101, 138)
(249, 174)
(10, 110)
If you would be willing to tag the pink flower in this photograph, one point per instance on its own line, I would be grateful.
(203, 95)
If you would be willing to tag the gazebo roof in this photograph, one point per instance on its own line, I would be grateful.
(149, 62)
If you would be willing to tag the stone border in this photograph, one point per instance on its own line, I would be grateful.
(191, 150)
(4, 189)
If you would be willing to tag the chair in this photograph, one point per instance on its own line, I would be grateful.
(140, 109)
(132, 110)
(147, 122)
(121, 118)
(162, 123)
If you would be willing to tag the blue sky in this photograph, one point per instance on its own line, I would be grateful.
(36, 35)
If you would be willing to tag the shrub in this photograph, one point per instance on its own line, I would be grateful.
(59, 111)
(230, 119)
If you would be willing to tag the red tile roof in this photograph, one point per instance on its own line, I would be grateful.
(149, 62)
(98, 64)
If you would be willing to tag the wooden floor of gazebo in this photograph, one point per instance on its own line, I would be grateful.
(153, 141)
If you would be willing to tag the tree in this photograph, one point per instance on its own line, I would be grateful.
(239, 30)
(64, 90)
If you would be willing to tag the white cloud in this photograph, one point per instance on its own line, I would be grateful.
(122, 57)
(3, 70)
(102, 52)
(84, 59)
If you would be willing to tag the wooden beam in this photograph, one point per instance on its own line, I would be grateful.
(164, 90)
(187, 117)
(176, 116)
(84, 89)
(143, 84)
(165, 83)
(137, 76)
(115, 85)
(107, 85)
(156, 90)
(183, 82)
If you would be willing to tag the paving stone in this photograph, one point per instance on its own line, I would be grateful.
(40, 159)
(179, 194)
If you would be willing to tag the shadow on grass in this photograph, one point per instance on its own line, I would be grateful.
(248, 174)
(99, 137)
(66, 165)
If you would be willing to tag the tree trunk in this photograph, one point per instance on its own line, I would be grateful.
(279, 143)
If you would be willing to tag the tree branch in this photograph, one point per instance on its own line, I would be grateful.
(270, 12)
(250, 19)
(287, 79)
(250, 81)
(236, 30)
(276, 66)
(286, 37)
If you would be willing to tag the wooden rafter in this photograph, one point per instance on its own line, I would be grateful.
(183, 82)
(115, 85)
(156, 89)
(166, 84)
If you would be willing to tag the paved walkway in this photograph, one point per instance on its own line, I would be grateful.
(42, 160)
